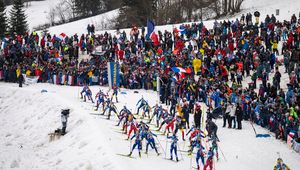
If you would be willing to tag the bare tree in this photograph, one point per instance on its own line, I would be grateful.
(61, 13)
(51, 16)
(70, 4)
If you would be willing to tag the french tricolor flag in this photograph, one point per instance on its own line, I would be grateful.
(292, 134)
(151, 34)
(178, 70)
(174, 78)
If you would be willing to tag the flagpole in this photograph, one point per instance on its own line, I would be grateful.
(158, 88)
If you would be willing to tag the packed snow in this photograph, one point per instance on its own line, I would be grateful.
(92, 142)
(37, 12)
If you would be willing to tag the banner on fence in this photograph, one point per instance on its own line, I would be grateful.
(289, 141)
(297, 146)
(70, 80)
(30, 79)
(113, 70)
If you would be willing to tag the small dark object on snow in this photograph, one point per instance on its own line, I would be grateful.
(135, 92)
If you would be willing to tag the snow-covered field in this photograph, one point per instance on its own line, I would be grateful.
(37, 12)
(287, 8)
(28, 115)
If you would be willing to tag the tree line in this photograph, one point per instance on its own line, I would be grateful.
(136, 12)
(16, 23)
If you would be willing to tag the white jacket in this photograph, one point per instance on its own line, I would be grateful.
(231, 109)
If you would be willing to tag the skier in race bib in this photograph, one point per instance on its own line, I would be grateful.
(173, 146)
(137, 143)
(87, 93)
(140, 104)
(100, 97)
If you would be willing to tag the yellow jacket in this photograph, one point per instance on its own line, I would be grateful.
(90, 73)
(28, 72)
(18, 72)
(274, 45)
(179, 110)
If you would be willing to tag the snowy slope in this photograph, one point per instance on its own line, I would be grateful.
(287, 8)
(101, 21)
(37, 12)
(27, 116)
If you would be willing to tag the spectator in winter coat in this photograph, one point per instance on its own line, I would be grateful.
(232, 117)
(239, 116)
(197, 115)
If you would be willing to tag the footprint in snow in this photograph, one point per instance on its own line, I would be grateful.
(58, 161)
(82, 144)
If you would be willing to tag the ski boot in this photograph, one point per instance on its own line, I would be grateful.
(140, 154)
(177, 159)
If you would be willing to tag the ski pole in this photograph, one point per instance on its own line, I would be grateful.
(253, 128)
(222, 153)
(161, 145)
(166, 149)
(130, 146)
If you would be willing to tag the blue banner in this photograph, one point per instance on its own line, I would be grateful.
(113, 74)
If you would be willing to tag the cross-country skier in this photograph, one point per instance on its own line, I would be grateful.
(110, 107)
(158, 112)
(146, 109)
(133, 127)
(179, 124)
(170, 121)
(195, 137)
(209, 160)
(137, 143)
(173, 146)
(87, 93)
(115, 93)
(140, 104)
(200, 155)
(151, 141)
(280, 165)
(100, 97)
(214, 144)
(123, 115)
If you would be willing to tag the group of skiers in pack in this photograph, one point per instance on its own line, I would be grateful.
(138, 127)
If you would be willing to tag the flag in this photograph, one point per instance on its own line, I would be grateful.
(188, 70)
(292, 134)
(154, 38)
(178, 70)
(182, 30)
(174, 78)
(62, 36)
(150, 28)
